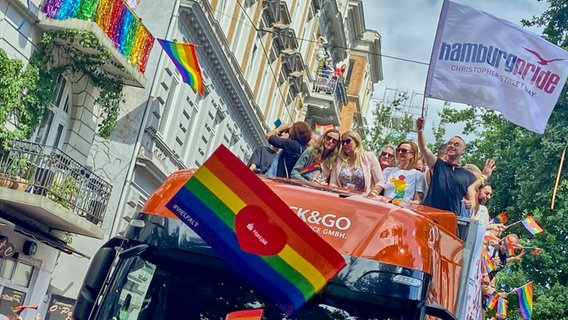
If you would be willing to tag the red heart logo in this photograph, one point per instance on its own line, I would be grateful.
(257, 234)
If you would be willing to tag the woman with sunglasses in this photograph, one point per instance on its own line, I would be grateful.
(406, 156)
(357, 169)
(386, 157)
(316, 161)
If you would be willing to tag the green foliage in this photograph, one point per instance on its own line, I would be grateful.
(64, 191)
(25, 93)
(384, 131)
(524, 181)
(110, 95)
(23, 96)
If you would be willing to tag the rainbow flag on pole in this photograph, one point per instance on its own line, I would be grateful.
(509, 248)
(500, 218)
(502, 308)
(253, 314)
(531, 225)
(489, 263)
(184, 57)
(321, 129)
(248, 225)
(525, 294)
(492, 301)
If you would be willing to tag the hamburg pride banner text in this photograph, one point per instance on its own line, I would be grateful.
(485, 61)
(250, 227)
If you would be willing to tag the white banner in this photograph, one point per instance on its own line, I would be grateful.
(485, 61)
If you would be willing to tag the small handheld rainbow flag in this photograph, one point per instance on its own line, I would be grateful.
(253, 314)
(500, 218)
(18, 309)
(492, 301)
(314, 166)
(525, 294)
(321, 129)
(536, 251)
(531, 225)
(502, 308)
(184, 58)
(489, 263)
(248, 225)
(509, 248)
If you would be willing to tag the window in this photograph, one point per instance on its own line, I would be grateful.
(15, 279)
(53, 127)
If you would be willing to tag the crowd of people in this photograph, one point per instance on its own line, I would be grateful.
(438, 179)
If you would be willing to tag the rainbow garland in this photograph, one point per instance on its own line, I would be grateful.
(116, 20)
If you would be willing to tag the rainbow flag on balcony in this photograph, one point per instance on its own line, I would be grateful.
(184, 58)
(255, 231)
(116, 20)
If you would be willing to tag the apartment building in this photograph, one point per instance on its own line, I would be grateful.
(260, 61)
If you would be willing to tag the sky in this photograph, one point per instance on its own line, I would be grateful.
(407, 29)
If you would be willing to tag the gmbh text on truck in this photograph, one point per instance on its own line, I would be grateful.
(402, 262)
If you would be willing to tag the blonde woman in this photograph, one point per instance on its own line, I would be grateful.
(356, 169)
(406, 154)
(316, 161)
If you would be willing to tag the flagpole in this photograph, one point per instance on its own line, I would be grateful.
(557, 175)
(514, 223)
(439, 32)
(518, 288)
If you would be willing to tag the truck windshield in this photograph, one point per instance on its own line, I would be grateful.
(152, 287)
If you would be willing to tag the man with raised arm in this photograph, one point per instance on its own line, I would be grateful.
(450, 183)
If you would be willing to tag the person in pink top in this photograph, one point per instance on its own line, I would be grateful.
(356, 169)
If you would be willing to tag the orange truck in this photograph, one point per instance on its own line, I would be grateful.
(403, 262)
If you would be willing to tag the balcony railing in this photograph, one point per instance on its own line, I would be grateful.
(48, 171)
(116, 20)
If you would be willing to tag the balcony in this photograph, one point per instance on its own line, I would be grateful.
(114, 25)
(49, 195)
(326, 99)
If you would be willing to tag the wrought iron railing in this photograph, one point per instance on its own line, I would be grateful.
(48, 171)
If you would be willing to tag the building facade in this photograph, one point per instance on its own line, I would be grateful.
(261, 61)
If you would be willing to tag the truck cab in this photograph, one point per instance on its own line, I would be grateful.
(402, 262)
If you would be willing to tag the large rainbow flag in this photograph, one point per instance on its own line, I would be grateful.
(184, 58)
(525, 294)
(255, 231)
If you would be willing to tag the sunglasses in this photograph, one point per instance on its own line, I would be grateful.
(346, 141)
(454, 144)
(403, 151)
(386, 154)
(330, 139)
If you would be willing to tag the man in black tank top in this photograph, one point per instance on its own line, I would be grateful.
(450, 183)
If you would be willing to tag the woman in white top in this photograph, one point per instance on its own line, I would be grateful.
(406, 155)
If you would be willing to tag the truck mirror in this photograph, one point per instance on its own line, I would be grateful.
(94, 281)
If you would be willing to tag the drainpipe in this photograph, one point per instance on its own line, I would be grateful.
(138, 143)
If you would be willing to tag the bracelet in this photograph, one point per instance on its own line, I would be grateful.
(482, 178)
(375, 192)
